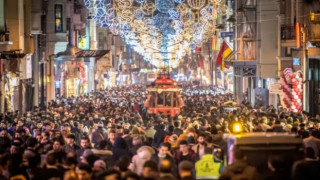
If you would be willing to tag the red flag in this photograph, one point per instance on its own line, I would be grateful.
(224, 52)
(200, 63)
(198, 50)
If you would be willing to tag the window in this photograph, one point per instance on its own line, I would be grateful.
(160, 98)
(101, 40)
(58, 18)
(168, 99)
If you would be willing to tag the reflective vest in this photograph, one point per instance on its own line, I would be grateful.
(206, 168)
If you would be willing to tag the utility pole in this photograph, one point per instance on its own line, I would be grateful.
(2, 94)
(42, 76)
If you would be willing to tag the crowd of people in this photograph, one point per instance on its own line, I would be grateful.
(109, 134)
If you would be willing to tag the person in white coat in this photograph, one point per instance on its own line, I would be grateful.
(143, 155)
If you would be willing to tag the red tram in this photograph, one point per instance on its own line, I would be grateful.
(164, 96)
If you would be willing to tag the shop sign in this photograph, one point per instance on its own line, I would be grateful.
(275, 88)
(226, 34)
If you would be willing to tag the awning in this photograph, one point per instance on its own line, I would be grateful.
(73, 52)
(240, 62)
(70, 51)
(13, 54)
(92, 53)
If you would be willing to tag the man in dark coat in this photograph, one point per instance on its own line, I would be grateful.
(163, 154)
(160, 135)
(98, 135)
(185, 154)
(239, 169)
(177, 130)
(84, 144)
(307, 168)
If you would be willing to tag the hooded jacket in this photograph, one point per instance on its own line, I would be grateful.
(143, 155)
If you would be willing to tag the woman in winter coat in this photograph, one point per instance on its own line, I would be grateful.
(143, 155)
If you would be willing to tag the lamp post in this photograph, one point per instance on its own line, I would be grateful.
(42, 76)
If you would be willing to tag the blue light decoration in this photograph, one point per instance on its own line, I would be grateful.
(174, 14)
(207, 12)
(179, 1)
(161, 20)
(140, 1)
(164, 5)
(162, 31)
(138, 14)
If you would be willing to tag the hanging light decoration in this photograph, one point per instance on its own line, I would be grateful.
(162, 31)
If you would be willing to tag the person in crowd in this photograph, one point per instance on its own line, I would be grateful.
(84, 144)
(239, 169)
(143, 155)
(185, 170)
(163, 154)
(308, 168)
(58, 150)
(98, 135)
(119, 148)
(149, 171)
(84, 172)
(200, 147)
(103, 153)
(159, 135)
(313, 142)
(70, 144)
(51, 169)
(177, 128)
(150, 131)
(277, 166)
(190, 131)
(209, 167)
(185, 153)
(165, 169)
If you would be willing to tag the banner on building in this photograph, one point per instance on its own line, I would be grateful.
(28, 66)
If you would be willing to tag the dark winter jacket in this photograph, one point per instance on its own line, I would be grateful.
(240, 169)
(119, 148)
(159, 137)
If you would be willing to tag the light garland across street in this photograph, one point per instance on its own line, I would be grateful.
(162, 31)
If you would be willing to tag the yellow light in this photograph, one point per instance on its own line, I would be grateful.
(312, 16)
(237, 128)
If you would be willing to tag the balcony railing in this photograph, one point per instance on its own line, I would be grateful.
(288, 33)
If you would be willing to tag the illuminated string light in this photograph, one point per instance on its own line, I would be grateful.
(196, 4)
(162, 31)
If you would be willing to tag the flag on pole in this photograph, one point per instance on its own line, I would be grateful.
(224, 53)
